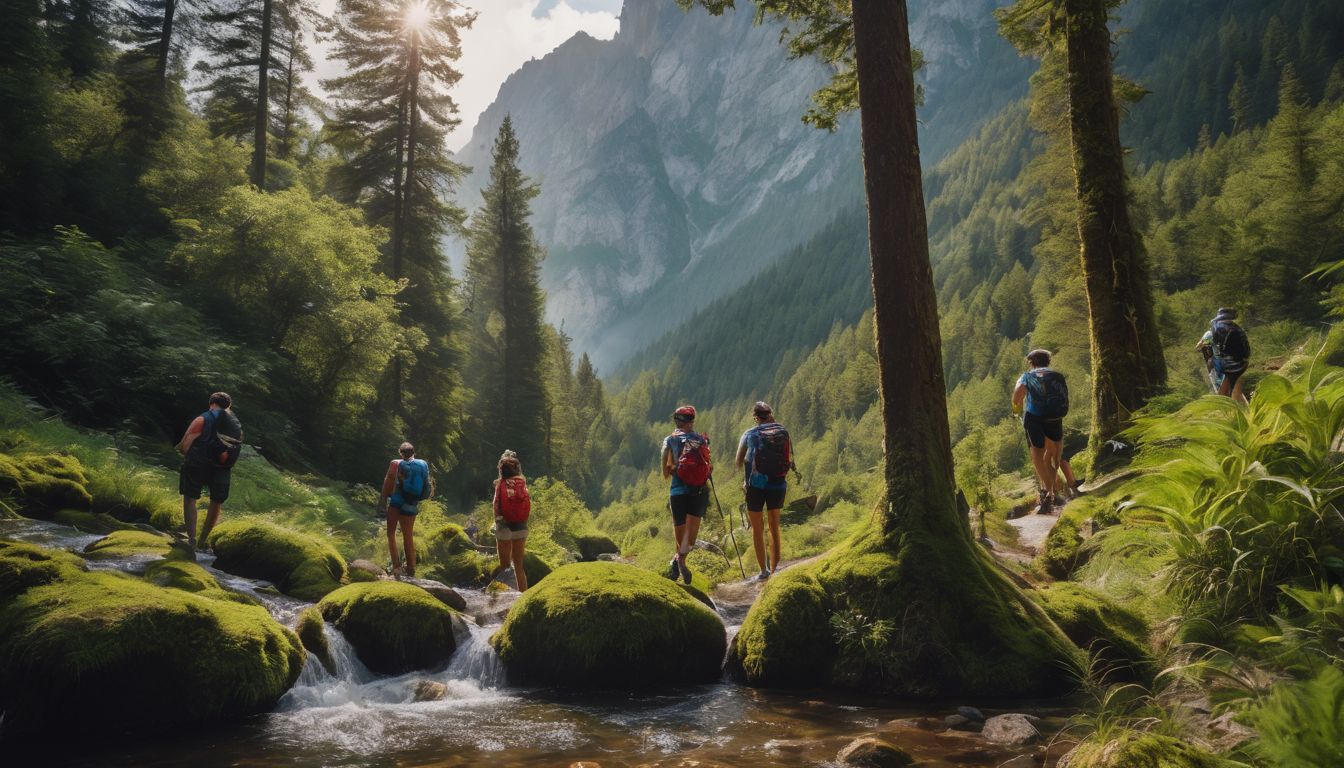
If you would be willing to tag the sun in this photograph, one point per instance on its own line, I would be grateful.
(418, 15)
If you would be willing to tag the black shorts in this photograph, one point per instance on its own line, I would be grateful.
(693, 504)
(765, 498)
(194, 477)
(1230, 377)
(1039, 430)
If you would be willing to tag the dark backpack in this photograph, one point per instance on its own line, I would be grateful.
(222, 438)
(1230, 341)
(772, 457)
(1049, 393)
(693, 463)
(414, 479)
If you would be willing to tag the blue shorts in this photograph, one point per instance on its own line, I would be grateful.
(402, 506)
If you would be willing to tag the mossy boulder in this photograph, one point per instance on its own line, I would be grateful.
(312, 631)
(112, 652)
(190, 577)
(593, 544)
(44, 484)
(1141, 750)
(448, 555)
(1059, 556)
(90, 522)
(609, 625)
(393, 627)
(1115, 636)
(920, 612)
(300, 565)
(537, 569)
(142, 545)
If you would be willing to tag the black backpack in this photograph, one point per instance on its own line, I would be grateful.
(1230, 341)
(1049, 393)
(222, 439)
(772, 454)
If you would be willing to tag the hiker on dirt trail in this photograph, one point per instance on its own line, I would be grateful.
(1041, 398)
(765, 454)
(513, 505)
(209, 449)
(686, 461)
(405, 485)
(1231, 352)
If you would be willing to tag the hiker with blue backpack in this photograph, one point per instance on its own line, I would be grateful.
(1041, 398)
(405, 485)
(686, 461)
(209, 450)
(765, 455)
(1230, 352)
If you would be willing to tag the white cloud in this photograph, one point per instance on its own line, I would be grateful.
(506, 35)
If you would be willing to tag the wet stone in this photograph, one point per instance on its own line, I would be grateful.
(914, 724)
(441, 592)
(873, 753)
(960, 722)
(790, 745)
(429, 690)
(369, 567)
(1011, 730)
(971, 713)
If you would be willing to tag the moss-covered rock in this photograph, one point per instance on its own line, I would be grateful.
(113, 652)
(1115, 636)
(300, 565)
(1141, 750)
(137, 544)
(608, 625)
(915, 613)
(537, 569)
(44, 484)
(312, 631)
(90, 522)
(393, 627)
(190, 577)
(593, 544)
(1059, 555)
(449, 556)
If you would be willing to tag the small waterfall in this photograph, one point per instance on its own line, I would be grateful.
(474, 659)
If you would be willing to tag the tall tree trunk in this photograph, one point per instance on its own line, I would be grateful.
(1127, 362)
(166, 44)
(287, 121)
(263, 100)
(914, 405)
(399, 185)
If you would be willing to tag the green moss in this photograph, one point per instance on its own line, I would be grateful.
(357, 575)
(90, 522)
(312, 631)
(608, 625)
(915, 613)
(43, 484)
(450, 557)
(142, 544)
(537, 569)
(394, 627)
(112, 652)
(593, 544)
(300, 565)
(1144, 750)
(1115, 636)
(1059, 555)
(190, 577)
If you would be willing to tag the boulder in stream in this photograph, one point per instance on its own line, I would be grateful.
(366, 570)
(312, 631)
(120, 545)
(449, 556)
(606, 625)
(393, 627)
(593, 545)
(299, 564)
(441, 592)
(1013, 730)
(104, 651)
(869, 752)
(43, 484)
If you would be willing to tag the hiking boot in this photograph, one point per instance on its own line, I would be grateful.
(685, 573)
(1076, 489)
(673, 569)
(1043, 502)
(763, 575)
(1058, 501)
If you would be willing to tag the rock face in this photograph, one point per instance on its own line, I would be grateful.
(300, 565)
(113, 652)
(873, 753)
(605, 625)
(673, 161)
(394, 627)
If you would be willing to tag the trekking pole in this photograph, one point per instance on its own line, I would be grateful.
(729, 525)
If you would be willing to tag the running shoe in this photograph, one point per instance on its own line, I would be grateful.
(685, 573)
(673, 569)
(763, 575)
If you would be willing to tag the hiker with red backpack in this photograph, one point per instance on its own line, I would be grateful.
(765, 453)
(405, 485)
(513, 505)
(686, 461)
(209, 450)
(1230, 352)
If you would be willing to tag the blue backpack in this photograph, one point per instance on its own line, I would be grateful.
(414, 479)
(1049, 393)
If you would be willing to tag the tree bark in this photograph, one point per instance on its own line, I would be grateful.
(263, 100)
(1127, 361)
(914, 404)
(166, 43)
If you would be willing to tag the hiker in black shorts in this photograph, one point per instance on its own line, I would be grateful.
(765, 454)
(686, 461)
(209, 450)
(1042, 398)
(1231, 352)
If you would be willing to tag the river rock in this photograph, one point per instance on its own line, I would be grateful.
(971, 713)
(1011, 730)
(868, 752)
(960, 722)
(603, 625)
(366, 570)
(442, 592)
(299, 564)
(608, 557)
(430, 690)
(394, 627)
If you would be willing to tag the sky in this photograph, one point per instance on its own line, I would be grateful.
(506, 35)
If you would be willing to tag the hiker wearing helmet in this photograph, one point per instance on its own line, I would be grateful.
(1041, 398)
(687, 462)
(1231, 352)
(765, 454)
(405, 485)
(513, 505)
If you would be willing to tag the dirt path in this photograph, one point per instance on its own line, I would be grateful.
(1032, 529)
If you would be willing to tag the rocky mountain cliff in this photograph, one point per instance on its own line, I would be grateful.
(673, 164)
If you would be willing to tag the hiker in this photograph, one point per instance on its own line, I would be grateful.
(512, 505)
(209, 449)
(687, 462)
(765, 454)
(1231, 352)
(1041, 398)
(406, 484)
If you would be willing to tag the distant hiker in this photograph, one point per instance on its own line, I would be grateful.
(1044, 396)
(513, 505)
(405, 485)
(210, 448)
(765, 454)
(1231, 352)
(687, 462)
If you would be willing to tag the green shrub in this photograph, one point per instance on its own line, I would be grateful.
(299, 564)
(1301, 724)
(394, 627)
(1143, 750)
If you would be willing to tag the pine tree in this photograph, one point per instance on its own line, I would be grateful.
(508, 341)
(80, 30)
(29, 175)
(154, 33)
(1238, 102)
(292, 98)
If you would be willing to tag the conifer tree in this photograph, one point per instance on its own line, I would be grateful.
(154, 31)
(80, 30)
(29, 177)
(1238, 102)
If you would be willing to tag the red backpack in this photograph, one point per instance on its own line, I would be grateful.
(515, 504)
(693, 464)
